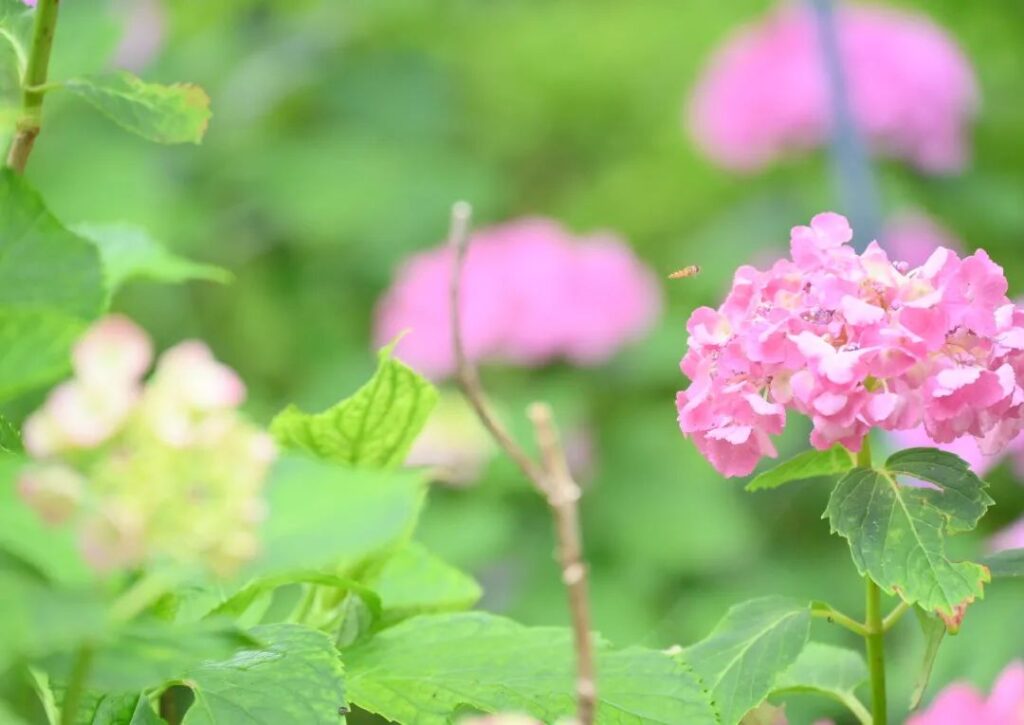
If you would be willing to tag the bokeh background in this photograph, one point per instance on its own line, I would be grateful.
(342, 132)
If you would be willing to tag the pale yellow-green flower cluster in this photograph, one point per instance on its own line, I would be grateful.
(159, 470)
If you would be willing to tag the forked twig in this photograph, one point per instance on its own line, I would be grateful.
(550, 476)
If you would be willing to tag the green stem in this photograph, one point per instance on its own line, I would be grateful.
(76, 685)
(864, 454)
(34, 83)
(876, 652)
(857, 708)
(894, 616)
(140, 595)
(825, 611)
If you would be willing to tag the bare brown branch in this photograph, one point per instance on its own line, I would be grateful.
(563, 494)
(551, 477)
(466, 373)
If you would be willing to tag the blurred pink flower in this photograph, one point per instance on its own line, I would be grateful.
(52, 489)
(144, 24)
(1011, 537)
(962, 703)
(531, 292)
(116, 349)
(765, 91)
(912, 236)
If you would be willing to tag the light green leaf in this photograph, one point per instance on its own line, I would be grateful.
(1008, 563)
(9, 717)
(239, 602)
(37, 619)
(414, 581)
(933, 629)
(177, 113)
(427, 668)
(47, 549)
(324, 515)
(145, 714)
(750, 647)
(10, 437)
(51, 285)
(129, 253)
(295, 677)
(101, 708)
(897, 533)
(809, 464)
(147, 653)
(832, 671)
(372, 429)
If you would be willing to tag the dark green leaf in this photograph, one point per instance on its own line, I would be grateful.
(1008, 563)
(129, 253)
(372, 429)
(933, 629)
(427, 668)
(326, 515)
(750, 647)
(414, 581)
(897, 533)
(178, 113)
(10, 437)
(809, 464)
(827, 670)
(51, 285)
(295, 677)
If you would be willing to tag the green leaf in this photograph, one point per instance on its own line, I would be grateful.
(324, 515)
(239, 602)
(100, 708)
(177, 113)
(809, 464)
(372, 429)
(827, 670)
(295, 677)
(933, 629)
(10, 437)
(37, 619)
(52, 551)
(147, 653)
(129, 253)
(1003, 564)
(429, 667)
(749, 648)
(51, 285)
(414, 581)
(897, 533)
(9, 717)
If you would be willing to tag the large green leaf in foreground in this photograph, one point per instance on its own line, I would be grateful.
(428, 668)
(740, 661)
(296, 676)
(374, 428)
(327, 515)
(51, 286)
(897, 533)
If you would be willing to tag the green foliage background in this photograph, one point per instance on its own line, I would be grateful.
(343, 130)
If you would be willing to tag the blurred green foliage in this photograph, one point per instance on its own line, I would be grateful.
(342, 132)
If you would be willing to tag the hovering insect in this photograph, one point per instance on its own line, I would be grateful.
(692, 271)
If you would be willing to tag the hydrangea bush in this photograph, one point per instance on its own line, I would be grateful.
(164, 558)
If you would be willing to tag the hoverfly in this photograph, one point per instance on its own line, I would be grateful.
(691, 271)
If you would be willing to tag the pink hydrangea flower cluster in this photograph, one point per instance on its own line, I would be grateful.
(962, 703)
(531, 292)
(854, 341)
(912, 91)
(164, 469)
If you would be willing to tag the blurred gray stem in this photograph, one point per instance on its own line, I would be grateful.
(851, 165)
